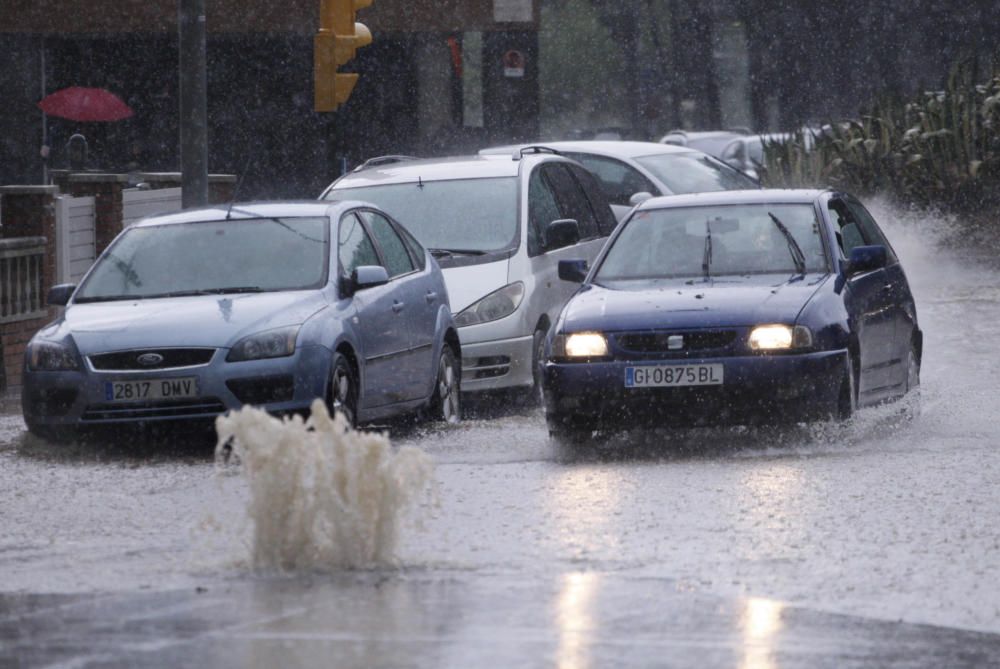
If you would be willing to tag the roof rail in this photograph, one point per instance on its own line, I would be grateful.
(382, 160)
(533, 148)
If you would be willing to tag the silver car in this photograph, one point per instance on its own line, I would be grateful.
(186, 316)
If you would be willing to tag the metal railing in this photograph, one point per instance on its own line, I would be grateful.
(22, 275)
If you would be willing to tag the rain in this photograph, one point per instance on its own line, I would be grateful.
(292, 536)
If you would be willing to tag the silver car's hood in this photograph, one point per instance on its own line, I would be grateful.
(204, 320)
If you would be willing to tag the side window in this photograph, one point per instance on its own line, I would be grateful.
(573, 202)
(355, 247)
(542, 210)
(416, 250)
(847, 230)
(397, 258)
(619, 181)
(606, 221)
(870, 229)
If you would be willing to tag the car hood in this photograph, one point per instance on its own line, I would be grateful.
(203, 320)
(681, 303)
(471, 283)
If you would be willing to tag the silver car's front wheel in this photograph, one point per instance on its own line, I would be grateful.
(343, 396)
(446, 402)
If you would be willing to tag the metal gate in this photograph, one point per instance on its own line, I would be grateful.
(75, 250)
(137, 203)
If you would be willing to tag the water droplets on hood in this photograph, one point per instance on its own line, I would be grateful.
(321, 495)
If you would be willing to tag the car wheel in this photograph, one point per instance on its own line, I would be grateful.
(343, 389)
(446, 401)
(912, 369)
(847, 402)
(537, 351)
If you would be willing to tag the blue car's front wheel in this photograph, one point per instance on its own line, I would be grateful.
(343, 394)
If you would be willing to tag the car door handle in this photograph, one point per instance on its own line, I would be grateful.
(397, 306)
(431, 296)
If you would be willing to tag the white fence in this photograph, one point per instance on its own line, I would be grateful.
(75, 249)
(21, 272)
(139, 203)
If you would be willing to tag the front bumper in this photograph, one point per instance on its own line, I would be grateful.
(758, 389)
(78, 399)
(501, 363)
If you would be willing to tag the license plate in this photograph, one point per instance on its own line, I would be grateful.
(673, 375)
(151, 389)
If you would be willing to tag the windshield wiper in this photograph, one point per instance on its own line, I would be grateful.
(206, 291)
(793, 246)
(707, 259)
(438, 253)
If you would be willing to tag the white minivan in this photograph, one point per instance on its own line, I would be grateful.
(498, 226)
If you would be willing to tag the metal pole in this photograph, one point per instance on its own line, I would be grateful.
(46, 149)
(194, 106)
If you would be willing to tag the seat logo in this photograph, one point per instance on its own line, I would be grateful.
(675, 342)
(149, 359)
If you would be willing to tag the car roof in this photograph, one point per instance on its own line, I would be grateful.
(243, 211)
(435, 169)
(612, 148)
(726, 197)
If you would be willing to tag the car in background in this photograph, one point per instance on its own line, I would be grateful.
(746, 153)
(630, 172)
(498, 227)
(712, 142)
(741, 307)
(186, 316)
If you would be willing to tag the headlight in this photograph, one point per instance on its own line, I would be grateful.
(580, 345)
(48, 356)
(780, 337)
(270, 344)
(496, 305)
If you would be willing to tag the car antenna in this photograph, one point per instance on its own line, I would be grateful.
(236, 191)
(420, 182)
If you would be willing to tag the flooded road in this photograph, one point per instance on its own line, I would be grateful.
(891, 518)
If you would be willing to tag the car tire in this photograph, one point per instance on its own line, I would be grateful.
(446, 400)
(343, 394)
(847, 401)
(912, 369)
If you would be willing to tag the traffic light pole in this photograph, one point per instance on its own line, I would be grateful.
(194, 105)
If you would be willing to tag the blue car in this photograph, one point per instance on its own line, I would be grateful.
(738, 307)
(186, 316)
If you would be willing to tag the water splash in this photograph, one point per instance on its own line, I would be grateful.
(322, 496)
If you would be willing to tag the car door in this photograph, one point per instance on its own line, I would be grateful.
(383, 338)
(900, 299)
(415, 307)
(869, 304)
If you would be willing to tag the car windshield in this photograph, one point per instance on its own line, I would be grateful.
(478, 215)
(712, 145)
(694, 173)
(212, 257)
(674, 242)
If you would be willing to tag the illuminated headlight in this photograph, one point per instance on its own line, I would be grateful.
(496, 305)
(270, 344)
(780, 337)
(48, 356)
(580, 345)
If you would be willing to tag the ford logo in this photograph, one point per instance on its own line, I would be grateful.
(149, 359)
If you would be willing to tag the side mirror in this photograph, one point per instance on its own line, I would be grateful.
(866, 259)
(366, 276)
(640, 197)
(59, 295)
(573, 270)
(560, 233)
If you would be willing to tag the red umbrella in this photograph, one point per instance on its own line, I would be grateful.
(85, 104)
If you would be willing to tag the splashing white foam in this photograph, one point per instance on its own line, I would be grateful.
(322, 496)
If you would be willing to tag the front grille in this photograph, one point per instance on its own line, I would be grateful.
(152, 410)
(263, 390)
(170, 359)
(486, 367)
(658, 342)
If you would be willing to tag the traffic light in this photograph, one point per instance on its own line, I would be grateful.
(338, 39)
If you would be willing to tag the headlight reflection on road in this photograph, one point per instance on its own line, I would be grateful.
(575, 620)
(760, 625)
